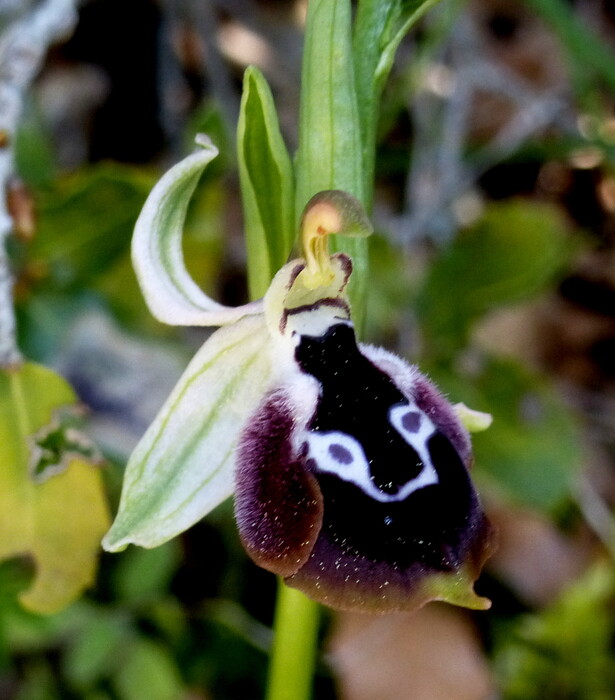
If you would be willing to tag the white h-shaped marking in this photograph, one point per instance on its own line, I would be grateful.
(356, 469)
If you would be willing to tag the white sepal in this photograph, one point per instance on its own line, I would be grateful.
(183, 467)
(171, 294)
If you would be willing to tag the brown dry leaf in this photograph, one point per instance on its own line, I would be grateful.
(533, 557)
(511, 331)
(431, 654)
(527, 47)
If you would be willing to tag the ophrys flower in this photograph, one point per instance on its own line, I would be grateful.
(351, 469)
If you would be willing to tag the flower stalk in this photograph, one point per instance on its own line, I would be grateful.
(293, 656)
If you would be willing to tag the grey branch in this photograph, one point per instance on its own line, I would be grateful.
(440, 173)
(23, 45)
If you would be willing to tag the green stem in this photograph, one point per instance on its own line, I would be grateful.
(293, 655)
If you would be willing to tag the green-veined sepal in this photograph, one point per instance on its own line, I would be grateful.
(183, 466)
(171, 294)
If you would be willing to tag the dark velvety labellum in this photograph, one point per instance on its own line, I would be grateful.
(278, 505)
(370, 501)
(429, 526)
(398, 502)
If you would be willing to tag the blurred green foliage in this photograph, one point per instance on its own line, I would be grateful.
(193, 614)
(566, 650)
(80, 257)
(512, 253)
(52, 503)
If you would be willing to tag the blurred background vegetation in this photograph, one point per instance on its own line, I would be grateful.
(493, 267)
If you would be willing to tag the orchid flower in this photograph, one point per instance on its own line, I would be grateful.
(349, 468)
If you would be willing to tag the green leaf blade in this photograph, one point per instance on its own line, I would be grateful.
(379, 29)
(330, 154)
(510, 255)
(60, 520)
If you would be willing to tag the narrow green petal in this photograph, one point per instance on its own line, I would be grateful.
(473, 421)
(171, 294)
(183, 467)
(267, 183)
(379, 27)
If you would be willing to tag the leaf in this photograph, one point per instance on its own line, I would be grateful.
(148, 671)
(171, 294)
(565, 651)
(380, 26)
(93, 648)
(267, 185)
(372, 25)
(183, 467)
(85, 224)
(411, 12)
(330, 155)
(511, 254)
(60, 520)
